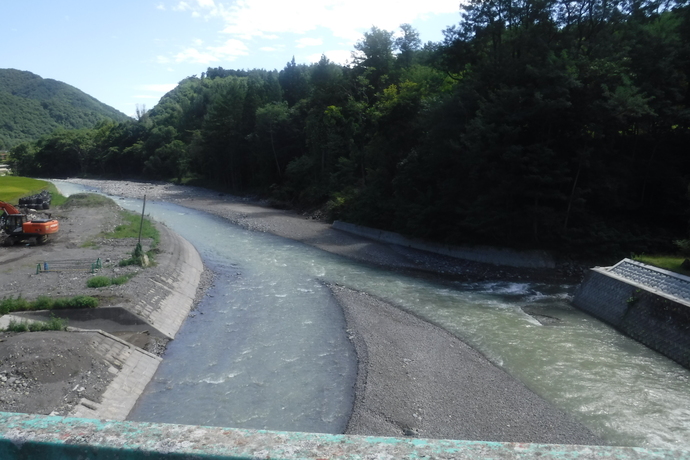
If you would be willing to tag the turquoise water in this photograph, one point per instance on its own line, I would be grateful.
(267, 348)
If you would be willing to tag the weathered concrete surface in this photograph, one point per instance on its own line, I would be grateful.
(25, 436)
(133, 369)
(112, 320)
(526, 259)
(166, 305)
(643, 302)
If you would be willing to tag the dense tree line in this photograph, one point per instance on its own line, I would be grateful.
(535, 123)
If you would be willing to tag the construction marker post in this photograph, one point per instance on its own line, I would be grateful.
(141, 224)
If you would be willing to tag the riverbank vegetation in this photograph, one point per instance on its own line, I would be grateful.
(11, 304)
(552, 124)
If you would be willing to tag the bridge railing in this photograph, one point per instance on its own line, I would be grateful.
(26, 436)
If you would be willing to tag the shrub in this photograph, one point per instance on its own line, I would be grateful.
(84, 301)
(9, 305)
(53, 324)
(98, 281)
(683, 246)
(18, 326)
(122, 279)
(42, 303)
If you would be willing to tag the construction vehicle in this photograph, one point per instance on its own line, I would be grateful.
(17, 226)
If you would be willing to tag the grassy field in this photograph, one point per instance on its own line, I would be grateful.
(12, 188)
(671, 263)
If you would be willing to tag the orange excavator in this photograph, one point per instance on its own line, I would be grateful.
(18, 227)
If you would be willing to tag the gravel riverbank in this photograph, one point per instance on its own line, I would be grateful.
(415, 379)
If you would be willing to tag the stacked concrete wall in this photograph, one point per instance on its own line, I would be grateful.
(654, 318)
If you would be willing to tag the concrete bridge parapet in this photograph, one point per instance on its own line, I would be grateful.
(24, 436)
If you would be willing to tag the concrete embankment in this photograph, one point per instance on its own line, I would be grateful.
(133, 369)
(165, 307)
(169, 300)
(496, 256)
(649, 304)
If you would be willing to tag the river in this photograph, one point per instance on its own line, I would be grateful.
(268, 349)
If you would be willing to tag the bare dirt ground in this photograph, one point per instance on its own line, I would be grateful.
(48, 372)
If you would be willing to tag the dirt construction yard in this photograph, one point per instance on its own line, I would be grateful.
(49, 372)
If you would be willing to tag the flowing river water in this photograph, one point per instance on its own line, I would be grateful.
(267, 348)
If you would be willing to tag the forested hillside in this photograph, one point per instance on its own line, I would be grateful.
(31, 106)
(551, 123)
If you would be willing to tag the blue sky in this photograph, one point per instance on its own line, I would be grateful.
(131, 52)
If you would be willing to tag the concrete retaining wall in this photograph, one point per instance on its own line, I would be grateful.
(653, 318)
(170, 299)
(133, 369)
(524, 259)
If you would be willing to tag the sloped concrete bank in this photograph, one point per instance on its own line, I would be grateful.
(169, 300)
(648, 304)
(133, 369)
(165, 307)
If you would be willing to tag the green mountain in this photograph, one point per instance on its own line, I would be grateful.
(31, 106)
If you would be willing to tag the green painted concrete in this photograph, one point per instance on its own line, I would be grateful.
(27, 436)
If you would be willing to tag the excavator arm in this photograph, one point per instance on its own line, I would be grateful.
(9, 209)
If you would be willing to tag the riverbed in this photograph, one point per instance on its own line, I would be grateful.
(622, 391)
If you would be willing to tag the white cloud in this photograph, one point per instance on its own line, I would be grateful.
(230, 48)
(344, 18)
(182, 6)
(160, 6)
(347, 19)
(248, 22)
(195, 56)
(307, 41)
(228, 51)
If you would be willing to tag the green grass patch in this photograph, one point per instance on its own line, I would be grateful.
(671, 263)
(10, 304)
(14, 187)
(130, 228)
(98, 281)
(53, 324)
(105, 281)
(87, 200)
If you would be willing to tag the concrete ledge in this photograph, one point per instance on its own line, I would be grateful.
(495, 256)
(133, 369)
(25, 436)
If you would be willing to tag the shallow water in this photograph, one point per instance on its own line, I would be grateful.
(267, 348)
